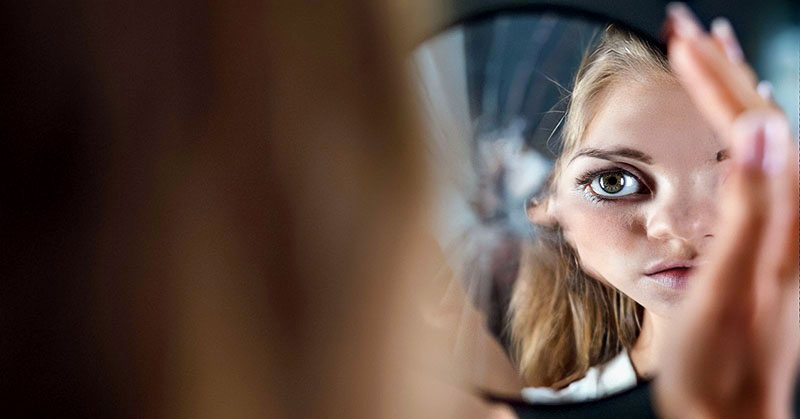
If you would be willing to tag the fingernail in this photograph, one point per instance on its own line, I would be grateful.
(724, 30)
(752, 154)
(765, 90)
(774, 153)
(685, 24)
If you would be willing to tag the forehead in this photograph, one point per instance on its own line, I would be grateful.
(655, 117)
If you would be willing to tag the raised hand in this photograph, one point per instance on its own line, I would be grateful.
(735, 349)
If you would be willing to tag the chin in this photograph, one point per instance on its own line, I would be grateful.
(667, 306)
(662, 300)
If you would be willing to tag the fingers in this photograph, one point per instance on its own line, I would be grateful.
(760, 213)
(782, 256)
(722, 85)
(766, 91)
(708, 92)
(703, 62)
(722, 31)
(744, 215)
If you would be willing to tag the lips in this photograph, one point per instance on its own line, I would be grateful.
(673, 275)
(665, 266)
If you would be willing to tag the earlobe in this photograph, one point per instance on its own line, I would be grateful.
(538, 210)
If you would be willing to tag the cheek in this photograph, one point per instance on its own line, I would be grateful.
(605, 237)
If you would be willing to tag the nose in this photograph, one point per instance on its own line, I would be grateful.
(683, 214)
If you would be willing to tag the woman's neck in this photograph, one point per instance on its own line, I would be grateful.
(646, 352)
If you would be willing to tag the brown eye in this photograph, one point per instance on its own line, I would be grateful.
(615, 184)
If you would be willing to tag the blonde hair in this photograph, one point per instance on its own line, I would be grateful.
(562, 321)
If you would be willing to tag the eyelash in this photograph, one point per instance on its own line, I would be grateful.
(584, 180)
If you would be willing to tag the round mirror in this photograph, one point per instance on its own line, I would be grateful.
(566, 288)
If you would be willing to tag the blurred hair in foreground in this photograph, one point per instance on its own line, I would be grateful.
(213, 210)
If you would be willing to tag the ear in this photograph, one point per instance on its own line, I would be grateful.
(540, 212)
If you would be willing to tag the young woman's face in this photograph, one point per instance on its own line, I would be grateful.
(636, 199)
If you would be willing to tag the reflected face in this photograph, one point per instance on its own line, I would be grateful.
(636, 199)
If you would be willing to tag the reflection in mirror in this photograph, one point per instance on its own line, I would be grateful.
(494, 93)
(577, 185)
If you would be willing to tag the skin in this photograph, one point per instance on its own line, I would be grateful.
(734, 351)
(671, 219)
(733, 348)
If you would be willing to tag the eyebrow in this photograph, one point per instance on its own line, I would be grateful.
(615, 152)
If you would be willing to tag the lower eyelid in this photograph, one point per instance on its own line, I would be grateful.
(587, 190)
